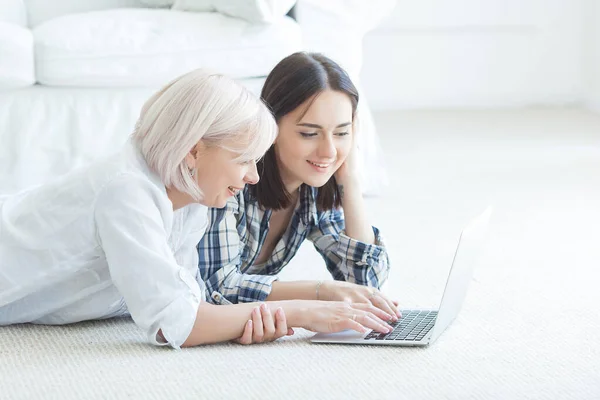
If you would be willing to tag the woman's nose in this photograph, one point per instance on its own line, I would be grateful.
(327, 148)
(251, 177)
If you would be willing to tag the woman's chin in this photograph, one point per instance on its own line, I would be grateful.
(218, 202)
(317, 181)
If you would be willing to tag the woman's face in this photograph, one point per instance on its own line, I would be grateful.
(220, 176)
(313, 143)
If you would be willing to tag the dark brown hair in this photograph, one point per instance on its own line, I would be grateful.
(294, 80)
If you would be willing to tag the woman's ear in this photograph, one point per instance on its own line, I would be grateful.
(190, 161)
(192, 156)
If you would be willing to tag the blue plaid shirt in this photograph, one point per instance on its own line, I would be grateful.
(236, 234)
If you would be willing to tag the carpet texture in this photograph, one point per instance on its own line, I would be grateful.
(514, 339)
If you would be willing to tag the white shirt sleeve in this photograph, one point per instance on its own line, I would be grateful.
(134, 218)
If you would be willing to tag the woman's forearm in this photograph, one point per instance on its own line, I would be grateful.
(223, 323)
(356, 224)
(300, 290)
(216, 324)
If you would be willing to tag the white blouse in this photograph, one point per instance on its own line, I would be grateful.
(101, 242)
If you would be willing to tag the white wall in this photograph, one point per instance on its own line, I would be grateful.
(474, 53)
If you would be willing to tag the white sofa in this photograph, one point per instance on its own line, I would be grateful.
(74, 74)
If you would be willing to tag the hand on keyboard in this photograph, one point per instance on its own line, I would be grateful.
(329, 317)
(353, 293)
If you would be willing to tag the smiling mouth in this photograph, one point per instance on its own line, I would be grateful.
(319, 165)
(233, 190)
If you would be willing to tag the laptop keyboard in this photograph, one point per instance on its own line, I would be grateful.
(413, 326)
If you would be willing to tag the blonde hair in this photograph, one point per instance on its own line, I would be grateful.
(201, 105)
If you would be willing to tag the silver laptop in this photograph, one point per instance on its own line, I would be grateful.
(419, 327)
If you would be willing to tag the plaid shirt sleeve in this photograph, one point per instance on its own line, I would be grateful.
(348, 259)
(219, 263)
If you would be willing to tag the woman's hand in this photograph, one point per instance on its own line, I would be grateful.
(358, 294)
(349, 168)
(264, 327)
(329, 317)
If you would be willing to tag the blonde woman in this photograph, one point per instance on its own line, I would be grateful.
(119, 236)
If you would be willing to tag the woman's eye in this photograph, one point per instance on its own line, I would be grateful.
(342, 133)
(308, 134)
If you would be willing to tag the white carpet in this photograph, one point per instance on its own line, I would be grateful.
(529, 326)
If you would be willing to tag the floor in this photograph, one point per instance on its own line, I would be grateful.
(528, 327)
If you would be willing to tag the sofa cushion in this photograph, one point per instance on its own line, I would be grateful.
(16, 60)
(157, 3)
(141, 47)
(256, 11)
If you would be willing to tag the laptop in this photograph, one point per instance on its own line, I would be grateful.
(419, 327)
